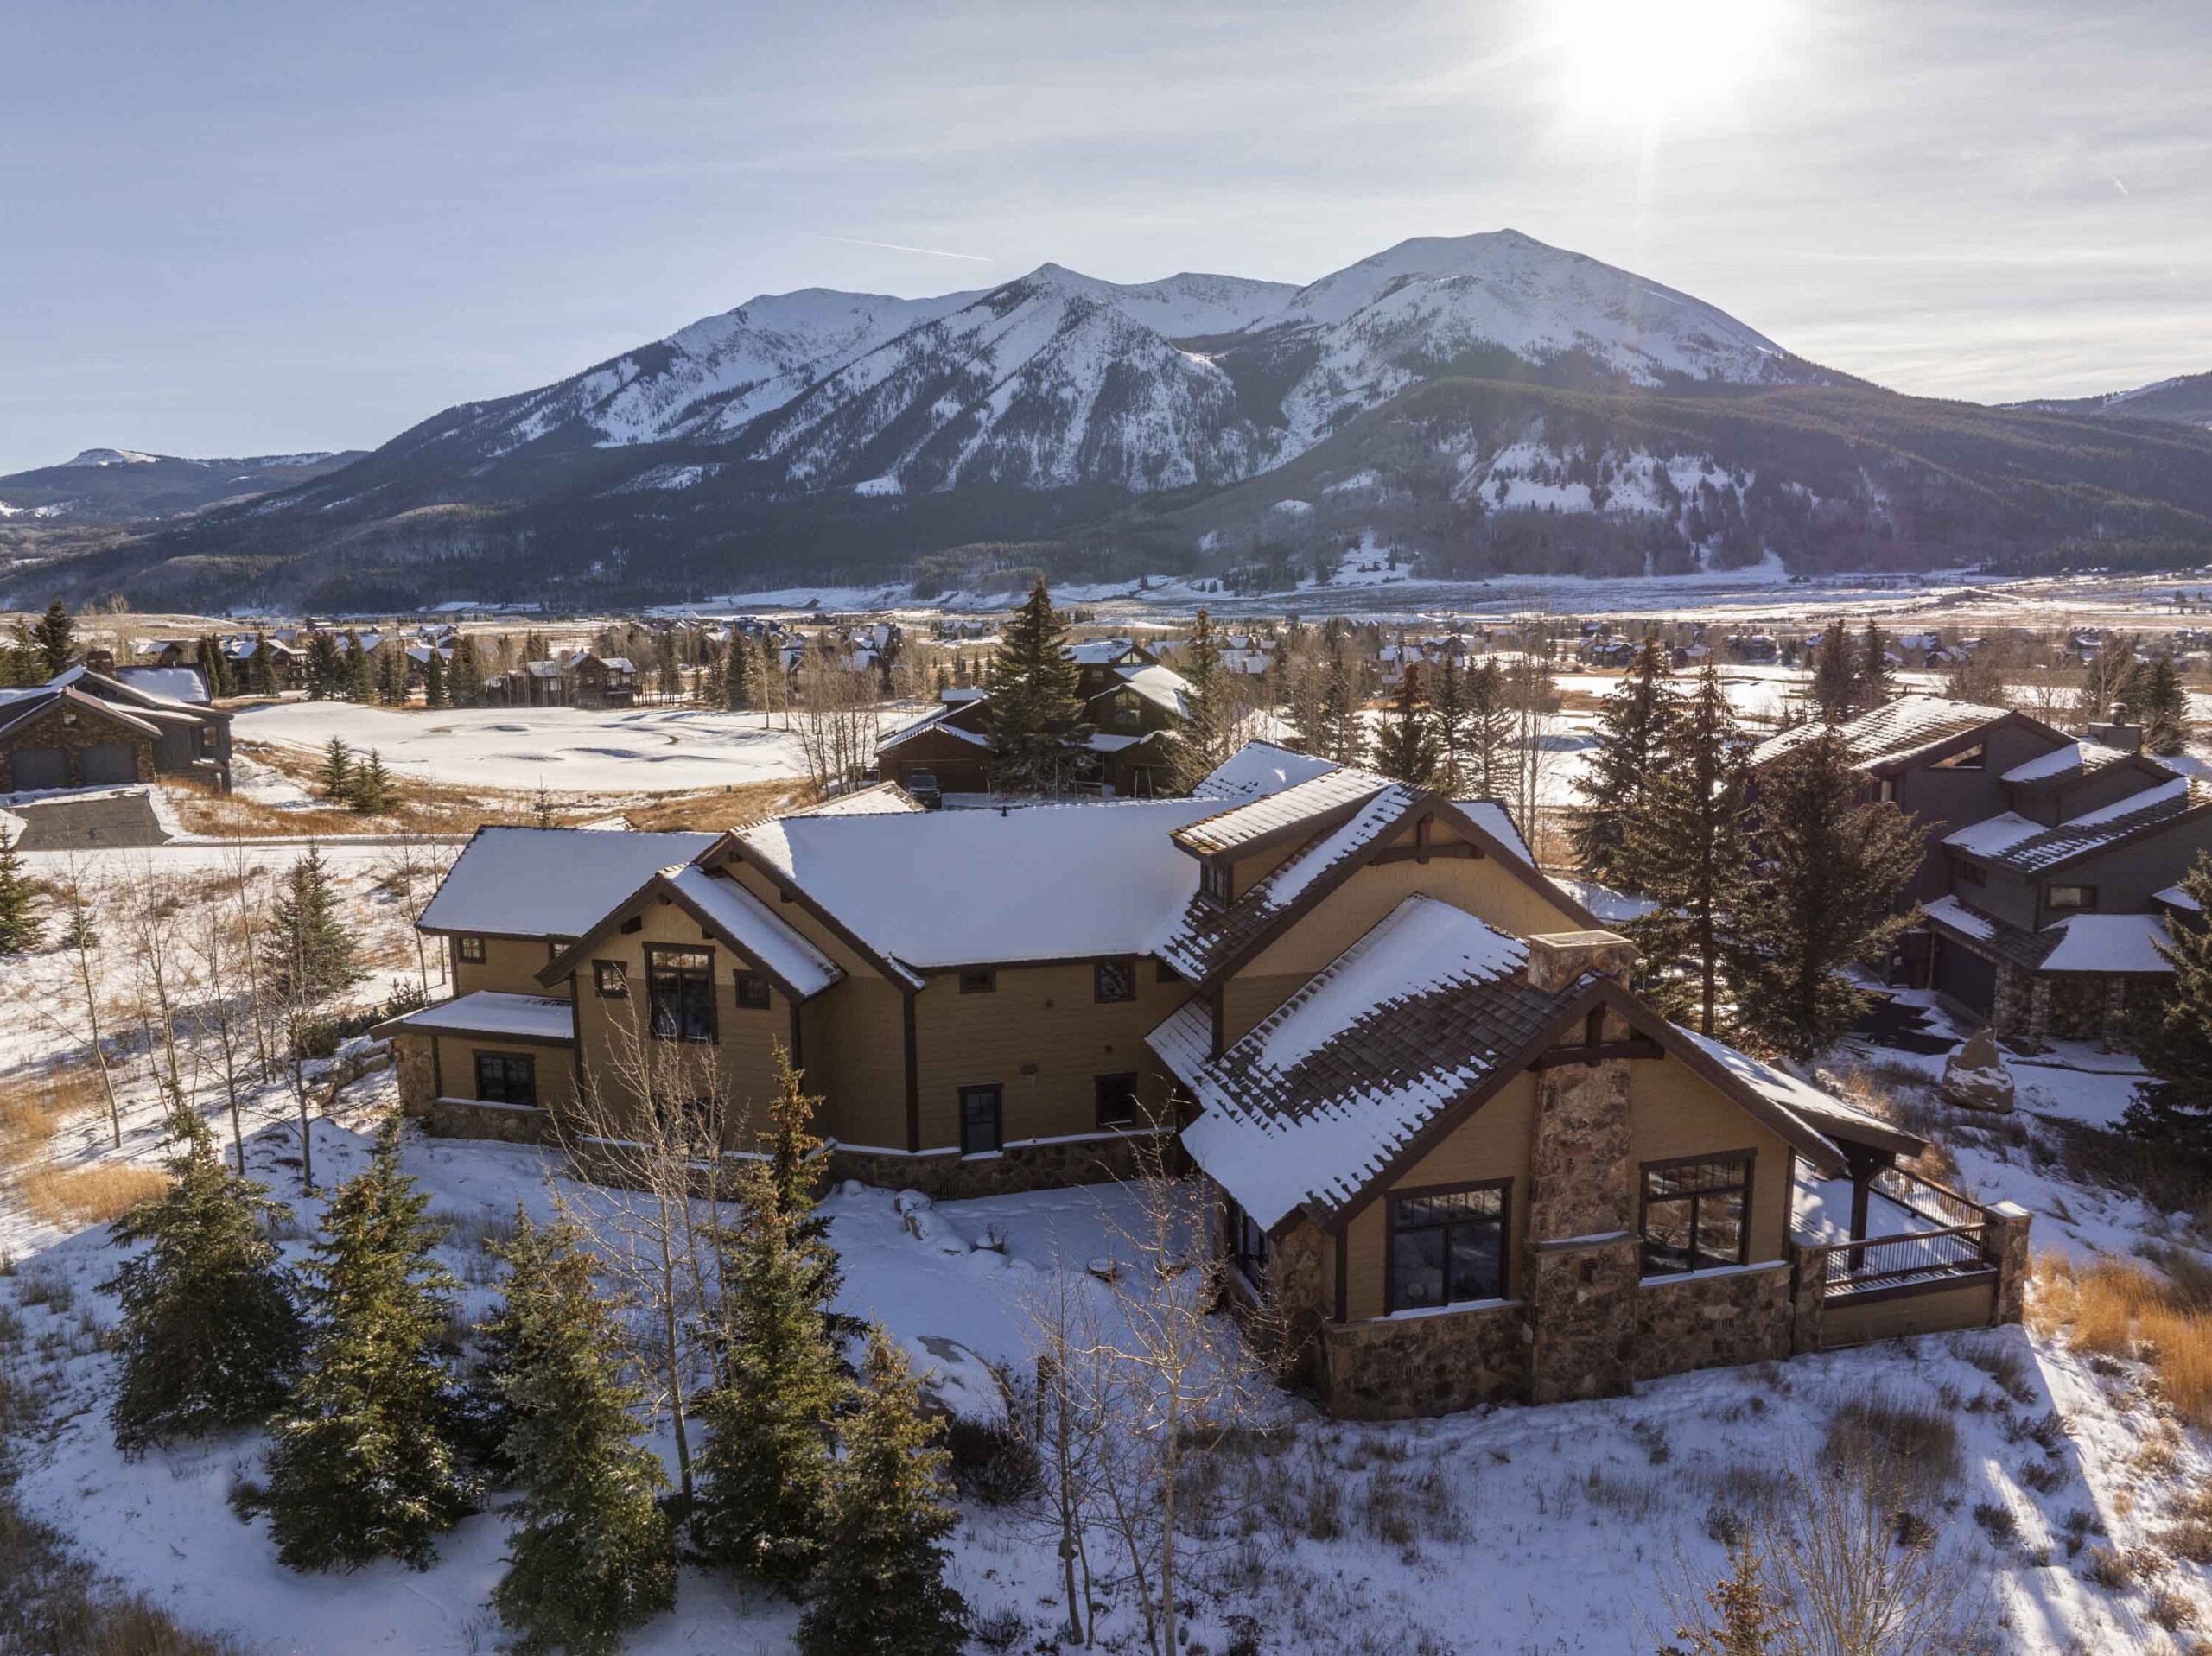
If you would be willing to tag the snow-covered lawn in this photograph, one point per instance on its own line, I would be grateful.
(568, 749)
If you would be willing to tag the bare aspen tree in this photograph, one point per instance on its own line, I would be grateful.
(148, 912)
(82, 895)
(412, 872)
(224, 1015)
(244, 876)
(1068, 1422)
(839, 718)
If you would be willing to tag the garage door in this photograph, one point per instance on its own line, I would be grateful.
(108, 762)
(40, 767)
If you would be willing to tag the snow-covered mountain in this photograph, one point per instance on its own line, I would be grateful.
(2186, 398)
(110, 486)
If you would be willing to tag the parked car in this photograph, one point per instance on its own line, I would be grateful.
(922, 784)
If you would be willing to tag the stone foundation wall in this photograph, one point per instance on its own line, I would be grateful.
(1741, 1316)
(462, 1118)
(1582, 1318)
(951, 1177)
(1395, 1367)
(418, 1086)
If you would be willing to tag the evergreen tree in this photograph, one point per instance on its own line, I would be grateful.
(359, 1466)
(1201, 742)
(1635, 726)
(671, 671)
(1835, 675)
(1039, 738)
(881, 1589)
(2163, 706)
(210, 1335)
(468, 674)
(326, 672)
(336, 777)
(2173, 1037)
(19, 657)
(21, 929)
(391, 676)
(308, 952)
(1407, 747)
(1448, 704)
(261, 666)
(1746, 1618)
(1875, 684)
(360, 671)
(1822, 896)
(1684, 848)
(1490, 729)
(1344, 732)
(592, 1554)
(55, 637)
(543, 813)
(371, 790)
(434, 679)
(215, 668)
(738, 667)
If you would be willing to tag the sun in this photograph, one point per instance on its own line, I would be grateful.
(1651, 63)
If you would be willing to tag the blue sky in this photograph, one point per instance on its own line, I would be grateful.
(249, 227)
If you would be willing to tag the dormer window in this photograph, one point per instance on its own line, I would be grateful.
(1216, 881)
(1967, 759)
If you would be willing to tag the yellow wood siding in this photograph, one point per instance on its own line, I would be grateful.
(511, 966)
(1674, 1112)
(858, 1061)
(556, 1070)
(795, 916)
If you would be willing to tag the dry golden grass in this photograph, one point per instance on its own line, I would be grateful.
(90, 1196)
(2121, 1310)
(56, 1602)
(721, 807)
(34, 1107)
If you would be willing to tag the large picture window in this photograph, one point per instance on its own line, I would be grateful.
(1696, 1214)
(680, 989)
(1448, 1245)
(507, 1078)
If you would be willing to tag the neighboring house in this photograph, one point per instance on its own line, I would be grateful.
(286, 664)
(83, 729)
(1439, 1129)
(590, 680)
(533, 684)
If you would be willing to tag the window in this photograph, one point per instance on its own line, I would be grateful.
(753, 991)
(1117, 1100)
(1113, 980)
(1217, 879)
(1887, 793)
(1695, 1214)
(980, 1124)
(1967, 759)
(680, 987)
(978, 980)
(611, 979)
(2070, 899)
(688, 1122)
(1248, 1243)
(471, 948)
(1447, 1246)
(507, 1078)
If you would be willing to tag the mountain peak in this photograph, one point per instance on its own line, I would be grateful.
(111, 457)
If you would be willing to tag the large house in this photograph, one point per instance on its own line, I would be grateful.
(83, 729)
(1441, 1132)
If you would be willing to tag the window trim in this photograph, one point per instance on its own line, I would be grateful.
(2087, 906)
(620, 971)
(979, 979)
(1504, 1222)
(744, 980)
(1748, 1157)
(653, 951)
(1218, 881)
(468, 948)
(1126, 964)
(528, 1062)
(1098, 1085)
(997, 1091)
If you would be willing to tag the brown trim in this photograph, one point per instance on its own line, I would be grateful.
(437, 1070)
(791, 893)
(1907, 1290)
(546, 937)
(1426, 853)
(913, 1077)
(441, 1031)
(576, 1030)
(659, 887)
(1504, 1186)
(1637, 1046)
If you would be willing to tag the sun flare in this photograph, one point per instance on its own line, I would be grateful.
(1642, 63)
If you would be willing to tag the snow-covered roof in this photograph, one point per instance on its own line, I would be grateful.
(1909, 724)
(488, 1012)
(2176, 897)
(1161, 686)
(530, 882)
(2003, 939)
(1491, 816)
(1257, 819)
(2110, 942)
(883, 799)
(1605, 904)
(182, 685)
(1315, 1101)
(1099, 652)
(1258, 768)
(938, 889)
(2074, 759)
(2015, 842)
(1821, 1113)
(755, 929)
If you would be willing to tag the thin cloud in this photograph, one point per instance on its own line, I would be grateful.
(900, 247)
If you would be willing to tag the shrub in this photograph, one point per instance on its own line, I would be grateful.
(1915, 1444)
(992, 1461)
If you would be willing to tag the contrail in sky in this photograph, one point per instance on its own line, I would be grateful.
(900, 247)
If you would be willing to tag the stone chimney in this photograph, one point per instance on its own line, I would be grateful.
(1557, 958)
(2116, 732)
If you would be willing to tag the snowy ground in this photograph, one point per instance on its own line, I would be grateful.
(568, 749)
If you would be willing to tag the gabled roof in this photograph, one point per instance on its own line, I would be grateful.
(2069, 764)
(537, 1020)
(2130, 944)
(1891, 735)
(1257, 822)
(954, 718)
(2011, 840)
(725, 909)
(1163, 687)
(531, 882)
(2015, 945)
(1497, 821)
(34, 704)
(1258, 768)
(882, 799)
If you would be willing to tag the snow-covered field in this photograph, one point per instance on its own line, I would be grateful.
(568, 749)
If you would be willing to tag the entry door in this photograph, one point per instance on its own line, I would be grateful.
(981, 1109)
(108, 763)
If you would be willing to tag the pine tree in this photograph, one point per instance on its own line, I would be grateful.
(1874, 684)
(1448, 703)
(392, 677)
(326, 672)
(2163, 707)
(359, 1464)
(881, 1589)
(763, 1473)
(1490, 729)
(1635, 727)
(592, 1554)
(1835, 675)
(336, 777)
(1745, 1620)
(1344, 732)
(737, 675)
(308, 952)
(670, 671)
(21, 929)
(468, 674)
(1685, 848)
(1822, 897)
(215, 668)
(371, 790)
(1201, 742)
(542, 812)
(55, 637)
(1039, 740)
(2173, 1037)
(261, 666)
(434, 679)
(1406, 748)
(210, 1335)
